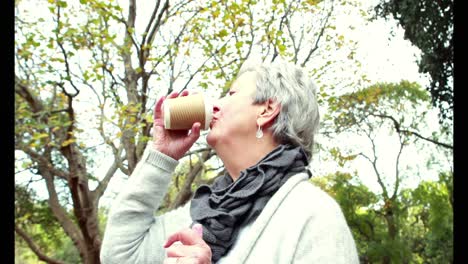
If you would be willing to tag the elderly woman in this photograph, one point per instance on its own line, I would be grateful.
(263, 210)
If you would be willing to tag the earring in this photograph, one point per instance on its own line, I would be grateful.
(259, 133)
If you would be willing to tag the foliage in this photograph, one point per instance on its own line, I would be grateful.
(429, 26)
(37, 218)
(377, 99)
(383, 222)
(424, 214)
(384, 103)
(178, 194)
(433, 211)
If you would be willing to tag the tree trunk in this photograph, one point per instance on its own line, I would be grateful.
(391, 226)
(83, 204)
(186, 192)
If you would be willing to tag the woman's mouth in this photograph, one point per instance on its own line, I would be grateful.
(212, 123)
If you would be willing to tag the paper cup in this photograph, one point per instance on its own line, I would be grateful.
(181, 113)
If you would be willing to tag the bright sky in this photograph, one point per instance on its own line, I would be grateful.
(383, 60)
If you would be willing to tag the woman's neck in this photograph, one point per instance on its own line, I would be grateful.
(238, 157)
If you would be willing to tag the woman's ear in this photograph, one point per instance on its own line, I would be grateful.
(268, 112)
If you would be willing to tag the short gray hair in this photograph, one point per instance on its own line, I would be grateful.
(289, 85)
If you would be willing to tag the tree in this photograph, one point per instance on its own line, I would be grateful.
(425, 218)
(370, 113)
(357, 203)
(429, 228)
(88, 74)
(429, 26)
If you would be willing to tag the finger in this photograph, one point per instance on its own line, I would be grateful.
(173, 95)
(184, 93)
(183, 260)
(194, 134)
(157, 108)
(198, 228)
(179, 250)
(186, 237)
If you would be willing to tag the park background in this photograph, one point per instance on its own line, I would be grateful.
(88, 73)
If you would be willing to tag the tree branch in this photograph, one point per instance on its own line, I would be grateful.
(65, 56)
(27, 95)
(322, 30)
(157, 25)
(153, 16)
(176, 42)
(405, 131)
(186, 191)
(99, 191)
(397, 171)
(35, 248)
(60, 214)
(41, 159)
(374, 166)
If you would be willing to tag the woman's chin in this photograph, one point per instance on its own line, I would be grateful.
(211, 139)
(217, 138)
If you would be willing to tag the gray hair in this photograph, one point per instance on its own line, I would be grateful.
(289, 85)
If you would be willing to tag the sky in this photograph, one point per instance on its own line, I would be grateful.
(384, 59)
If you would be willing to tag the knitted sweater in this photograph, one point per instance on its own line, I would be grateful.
(299, 224)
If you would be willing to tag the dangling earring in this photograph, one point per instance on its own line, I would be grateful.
(259, 133)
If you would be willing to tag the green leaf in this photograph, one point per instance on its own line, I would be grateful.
(62, 4)
(68, 142)
(222, 33)
(222, 50)
(39, 136)
(281, 48)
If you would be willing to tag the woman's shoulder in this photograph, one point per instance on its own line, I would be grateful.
(311, 199)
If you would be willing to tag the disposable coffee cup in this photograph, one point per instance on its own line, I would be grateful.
(181, 113)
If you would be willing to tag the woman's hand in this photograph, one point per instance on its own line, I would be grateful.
(193, 249)
(174, 143)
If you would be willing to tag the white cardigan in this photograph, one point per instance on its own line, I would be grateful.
(299, 224)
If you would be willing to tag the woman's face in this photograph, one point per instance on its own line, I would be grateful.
(235, 116)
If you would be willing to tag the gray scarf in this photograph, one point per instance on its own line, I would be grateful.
(226, 206)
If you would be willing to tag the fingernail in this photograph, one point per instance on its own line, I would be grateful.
(198, 228)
